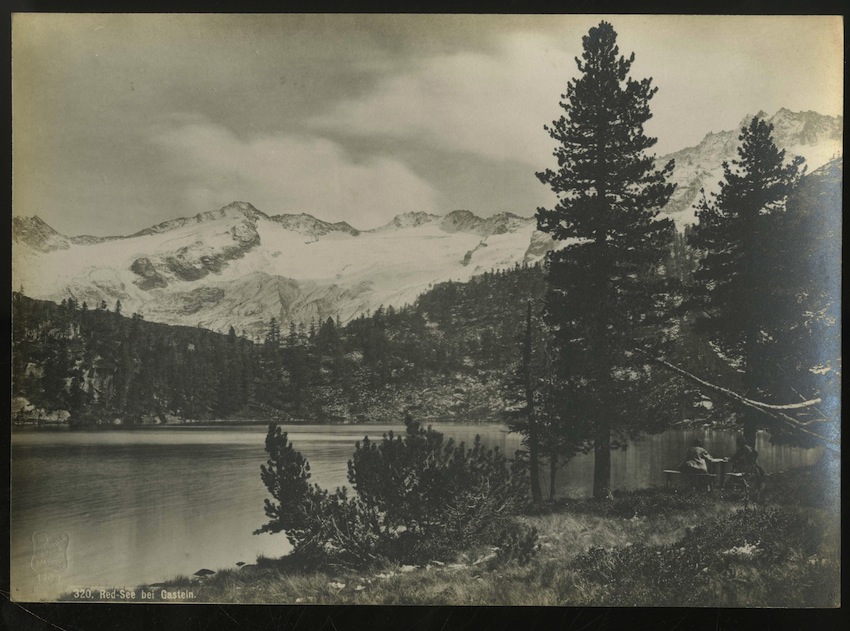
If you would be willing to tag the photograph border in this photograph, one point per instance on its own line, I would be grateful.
(189, 616)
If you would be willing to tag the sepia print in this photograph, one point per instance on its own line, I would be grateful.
(427, 309)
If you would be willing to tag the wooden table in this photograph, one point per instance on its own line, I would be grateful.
(718, 467)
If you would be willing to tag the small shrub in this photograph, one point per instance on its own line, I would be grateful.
(691, 569)
(518, 543)
(318, 525)
(418, 498)
(808, 487)
(645, 503)
(776, 532)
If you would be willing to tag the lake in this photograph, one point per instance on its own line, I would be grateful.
(142, 505)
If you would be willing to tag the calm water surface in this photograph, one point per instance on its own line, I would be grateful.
(143, 505)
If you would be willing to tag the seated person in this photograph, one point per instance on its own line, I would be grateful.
(696, 459)
(744, 459)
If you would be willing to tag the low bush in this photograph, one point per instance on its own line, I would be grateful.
(418, 497)
(776, 532)
(808, 487)
(517, 544)
(641, 503)
(703, 563)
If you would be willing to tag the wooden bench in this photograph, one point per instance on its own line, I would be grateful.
(740, 477)
(703, 479)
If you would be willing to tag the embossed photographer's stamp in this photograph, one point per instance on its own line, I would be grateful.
(49, 554)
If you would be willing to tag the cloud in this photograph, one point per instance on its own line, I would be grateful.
(493, 105)
(711, 71)
(284, 173)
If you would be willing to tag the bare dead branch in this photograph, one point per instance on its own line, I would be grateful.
(772, 411)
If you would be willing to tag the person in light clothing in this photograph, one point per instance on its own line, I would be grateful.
(696, 459)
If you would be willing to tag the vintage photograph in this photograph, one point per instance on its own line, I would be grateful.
(331, 309)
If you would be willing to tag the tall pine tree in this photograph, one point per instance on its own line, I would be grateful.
(736, 286)
(600, 284)
(519, 394)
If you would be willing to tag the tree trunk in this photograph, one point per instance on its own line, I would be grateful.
(553, 471)
(533, 444)
(750, 422)
(750, 332)
(749, 429)
(599, 340)
(533, 461)
(602, 460)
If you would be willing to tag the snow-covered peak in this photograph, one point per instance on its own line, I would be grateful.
(816, 137)
(35, 233)
(799, 128)
(745, 122)
(806, 128)
(239, 211)
(408, 220)
(238, 266)
(461, 221)
(245, 209)
(501, 223)
(308, 225)
(467, 222)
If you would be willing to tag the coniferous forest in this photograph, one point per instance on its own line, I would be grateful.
(441, 358)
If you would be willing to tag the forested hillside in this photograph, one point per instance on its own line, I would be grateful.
(441, 358)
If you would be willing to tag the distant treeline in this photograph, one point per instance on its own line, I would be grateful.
(442, 357)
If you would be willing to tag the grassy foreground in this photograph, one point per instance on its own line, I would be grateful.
(650, 547)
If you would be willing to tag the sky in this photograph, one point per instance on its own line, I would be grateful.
(123, 121)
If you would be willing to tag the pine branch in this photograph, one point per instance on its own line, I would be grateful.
(772, 411)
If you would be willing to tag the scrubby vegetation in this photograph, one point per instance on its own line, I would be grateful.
(709, 563)
(418, 498)
(680, 548)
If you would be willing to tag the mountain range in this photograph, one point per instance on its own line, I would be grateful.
(240, 266)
